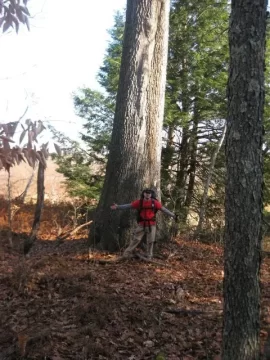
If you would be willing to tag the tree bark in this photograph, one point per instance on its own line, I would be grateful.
(243, 201)
(182, 172)
(21, 198)
(135, 149)
(193, 148)
(28, 243)
(9, 213)
(167, 155)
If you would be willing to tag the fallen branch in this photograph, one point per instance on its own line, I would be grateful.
(184, 311)
(152, 261)
(107, 261)
(74, 231)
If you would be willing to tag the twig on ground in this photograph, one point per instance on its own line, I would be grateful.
(152, 261)
(184, 311)
(122, 258)
(74, 231)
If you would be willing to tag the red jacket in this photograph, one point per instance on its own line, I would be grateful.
(148, 211)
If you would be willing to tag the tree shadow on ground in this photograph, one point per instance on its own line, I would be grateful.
(56, 304)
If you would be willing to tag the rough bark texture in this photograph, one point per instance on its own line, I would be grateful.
(243, 207)
(135, 150)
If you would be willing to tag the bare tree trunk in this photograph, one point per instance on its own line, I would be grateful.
(181, 177)
(208, 182)
(9, 213)
(167, 154)
(182, 173)
(135, 150)
(243, 201)
(23, 195)
(28, 243)
(193, 146)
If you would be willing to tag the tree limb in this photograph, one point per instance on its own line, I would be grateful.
(74, 231)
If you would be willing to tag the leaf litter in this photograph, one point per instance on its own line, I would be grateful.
(56, 304)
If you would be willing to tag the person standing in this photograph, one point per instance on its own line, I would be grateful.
(147, 207)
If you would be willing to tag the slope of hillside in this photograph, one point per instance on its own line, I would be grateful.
(60, 303)
(54, 187)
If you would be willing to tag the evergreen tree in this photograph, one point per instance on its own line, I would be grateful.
(84, 178)
(195, 108)
(108, 76)
(84, 169)
(195, 98)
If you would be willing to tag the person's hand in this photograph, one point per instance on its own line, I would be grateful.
(176, 217)
(114, 206)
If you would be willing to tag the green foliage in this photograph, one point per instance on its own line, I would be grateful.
(79, 181)
(84, 170)
(195, 105)
(196, 82)
(83, 179)
(198, 60)
(98, 111)
(195, 98)
(108, 75)
(96, 108)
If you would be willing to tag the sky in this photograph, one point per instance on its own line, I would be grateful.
(41, 68)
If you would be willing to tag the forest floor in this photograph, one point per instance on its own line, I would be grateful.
(61, 302)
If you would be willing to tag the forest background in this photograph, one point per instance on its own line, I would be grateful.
(193, 163)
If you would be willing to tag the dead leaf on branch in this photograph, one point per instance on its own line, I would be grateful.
(2, 21)
(58, 149)
(5, 138)
(22, 136)
(9, 129)
(14, 14)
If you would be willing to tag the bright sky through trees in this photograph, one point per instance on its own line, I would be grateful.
(62, 52)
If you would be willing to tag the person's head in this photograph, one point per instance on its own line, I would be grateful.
(147, 193)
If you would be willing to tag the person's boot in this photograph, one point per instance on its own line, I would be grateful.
(127, 255)
(150, 250)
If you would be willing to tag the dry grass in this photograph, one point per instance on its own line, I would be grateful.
(57, 218)
(55, 190)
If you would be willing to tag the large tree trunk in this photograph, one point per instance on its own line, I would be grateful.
(135, 150)
(243, 204)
